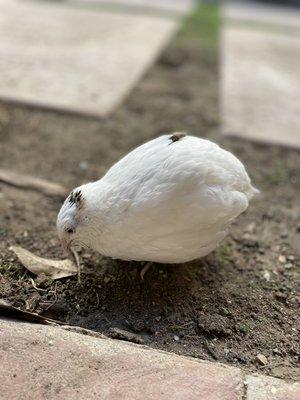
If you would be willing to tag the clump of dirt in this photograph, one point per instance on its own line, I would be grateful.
(238, 302)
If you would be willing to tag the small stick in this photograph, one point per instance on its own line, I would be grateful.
(77, 261)
(34, 285)
(210, 351)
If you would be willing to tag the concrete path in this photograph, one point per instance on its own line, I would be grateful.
(257, 12)
(45, 362)
(261, 73)
(171, 6)
(76, 57)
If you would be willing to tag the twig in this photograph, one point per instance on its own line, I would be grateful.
(77, 261)
(35, 287)
(210, 351)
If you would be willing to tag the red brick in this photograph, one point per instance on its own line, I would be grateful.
(40, 362)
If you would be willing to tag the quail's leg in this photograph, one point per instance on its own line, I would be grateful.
(145, 269)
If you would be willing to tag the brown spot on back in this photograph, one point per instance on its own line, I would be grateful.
(176, 137)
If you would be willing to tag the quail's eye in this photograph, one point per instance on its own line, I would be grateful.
(70, 230)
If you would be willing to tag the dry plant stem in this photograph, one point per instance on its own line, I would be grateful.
(77, 261)
(145, 269)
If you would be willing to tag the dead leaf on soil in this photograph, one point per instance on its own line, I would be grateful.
(9, 311)
(55, 269)
(31, 182)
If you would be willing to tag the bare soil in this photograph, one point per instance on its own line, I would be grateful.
(240, 301)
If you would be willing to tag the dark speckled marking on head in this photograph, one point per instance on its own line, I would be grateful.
(176, 136)
(76, 198)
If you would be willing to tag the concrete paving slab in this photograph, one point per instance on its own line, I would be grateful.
(260, 85)
(268, 388)
(173, 6)
(262, 13)
(45, 362)
(57, 55)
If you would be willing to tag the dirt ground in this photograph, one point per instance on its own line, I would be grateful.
(240, 301)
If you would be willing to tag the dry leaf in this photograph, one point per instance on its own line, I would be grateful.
(9, 311)
(55, 269)
(30, 182)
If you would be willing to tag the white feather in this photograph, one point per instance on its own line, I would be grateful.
(165, 201)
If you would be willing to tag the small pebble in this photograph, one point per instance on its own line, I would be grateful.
(176, 338)
(291, 258)
(282, 259)
(266, 275)
(261, 359)
(288, 265)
